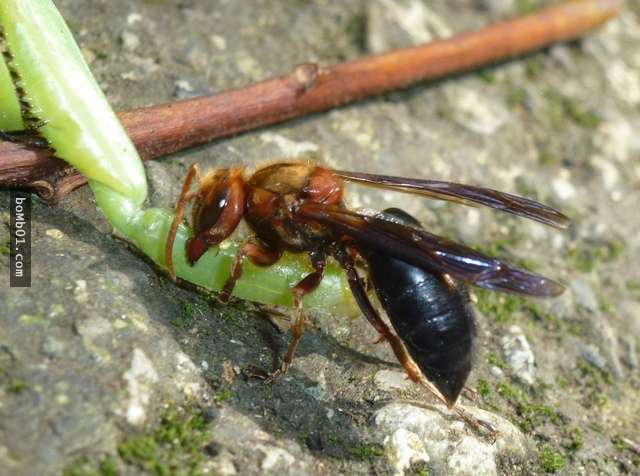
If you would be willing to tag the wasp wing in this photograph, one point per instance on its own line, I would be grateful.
(465, 194)
(430, 252)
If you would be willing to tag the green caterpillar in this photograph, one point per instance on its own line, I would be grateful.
(45, 83)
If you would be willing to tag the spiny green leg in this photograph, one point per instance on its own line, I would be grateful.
(82, 129)
(17, 122)
(10, 115)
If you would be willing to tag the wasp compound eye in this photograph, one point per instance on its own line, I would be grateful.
(218, 210)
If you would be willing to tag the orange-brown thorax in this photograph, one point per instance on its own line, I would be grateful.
(266, 201)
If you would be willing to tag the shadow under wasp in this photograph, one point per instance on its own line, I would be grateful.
(419, 278)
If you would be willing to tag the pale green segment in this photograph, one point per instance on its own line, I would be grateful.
(10, 116)
(80, 124)
(148, 229)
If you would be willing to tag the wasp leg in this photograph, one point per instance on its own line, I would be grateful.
(27, 137)
(481, 427)
(360, 294)
(259, 254)
(471, 393)
(306, 285)
(185, 197)
(236, 273)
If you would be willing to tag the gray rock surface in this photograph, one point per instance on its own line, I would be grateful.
(427, 435)
(106, 365)
(518, 354)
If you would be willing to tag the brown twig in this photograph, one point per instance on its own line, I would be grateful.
(163, 129)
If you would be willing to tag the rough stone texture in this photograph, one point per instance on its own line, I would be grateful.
(427, 435)
(518, 354)
(102, 344)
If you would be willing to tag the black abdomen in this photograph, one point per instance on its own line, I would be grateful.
(431, 314)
